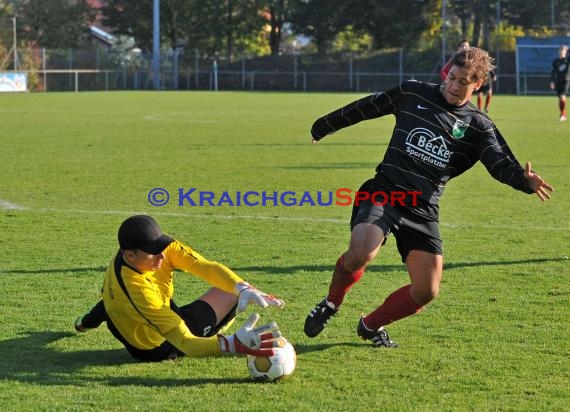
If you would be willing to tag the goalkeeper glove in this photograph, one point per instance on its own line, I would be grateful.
(249, 341)
(248, 294)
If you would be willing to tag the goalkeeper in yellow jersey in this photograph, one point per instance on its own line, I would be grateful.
(139, 311)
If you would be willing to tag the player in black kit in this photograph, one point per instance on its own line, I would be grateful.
(438, 135)
(560, 79)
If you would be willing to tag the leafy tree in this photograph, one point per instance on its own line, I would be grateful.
(321, 20)
(173, 21)
(231, 25)
(526, 13)
(276, 13)
(5, 9)
(6, 33)
(247, 27)
(431, 35)
(391, 24)
(130, 18)
(208, 25)
(350, 40)
(135, 18)
(395, 24)
(505, 36)
(479, 18)
(53, 23)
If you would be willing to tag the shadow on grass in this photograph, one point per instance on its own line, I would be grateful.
(459, 265)
(63, 270)
(333, 166)
(29, 359)
(302, 348)
(290, 270)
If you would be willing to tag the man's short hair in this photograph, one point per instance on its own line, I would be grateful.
(477, 62)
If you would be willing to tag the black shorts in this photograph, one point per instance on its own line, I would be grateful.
(198, 316)
(485, 88)
(562, 87)
(411, 231)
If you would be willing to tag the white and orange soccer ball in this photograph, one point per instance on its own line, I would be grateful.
(272, 368)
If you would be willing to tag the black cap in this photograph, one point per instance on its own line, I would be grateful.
(142, 232)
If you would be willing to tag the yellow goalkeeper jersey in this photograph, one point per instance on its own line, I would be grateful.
(140, 308)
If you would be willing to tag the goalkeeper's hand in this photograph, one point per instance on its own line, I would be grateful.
(248, 294)
(249, 341)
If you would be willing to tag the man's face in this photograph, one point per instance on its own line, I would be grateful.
(144, 262)
(562, 52)
(458, 88)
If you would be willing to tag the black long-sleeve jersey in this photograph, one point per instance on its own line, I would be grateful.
(560, 70)
(432, 142)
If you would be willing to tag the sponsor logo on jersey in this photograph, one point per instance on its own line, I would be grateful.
(424, 145)
(459, 129)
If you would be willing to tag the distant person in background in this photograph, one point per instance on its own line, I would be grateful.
(560, 79)
(487, 91)
(463, 45)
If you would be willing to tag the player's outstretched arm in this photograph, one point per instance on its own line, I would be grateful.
(249, 340)
(537, 183)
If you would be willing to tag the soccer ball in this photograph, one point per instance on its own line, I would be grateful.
(272, 368)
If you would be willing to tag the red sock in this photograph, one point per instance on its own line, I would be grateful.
(342, 281)
(396, 306)
(479, 101)
(562, 106)
(487, 102)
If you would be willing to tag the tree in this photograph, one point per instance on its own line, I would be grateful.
(134, 18)
(276, 13)
(130, 18)
(527, 13)
(243, 22)
(394, 24)
(350, 40)
(173, 21)
(321, 20)
(207, 25)
(5, 9)
(478, 18)
(53, 23)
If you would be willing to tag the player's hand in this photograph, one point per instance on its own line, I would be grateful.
(551, 85)
(248, 294)
(537, 183)
(249, 341)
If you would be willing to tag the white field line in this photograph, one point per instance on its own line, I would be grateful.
(186, 215)
(4, 205)
(186, 117)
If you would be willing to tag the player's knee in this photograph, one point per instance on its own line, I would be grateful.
(422, 296)
(356, 259)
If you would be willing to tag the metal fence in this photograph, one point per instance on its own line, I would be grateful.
(109, 80)
(101, 69)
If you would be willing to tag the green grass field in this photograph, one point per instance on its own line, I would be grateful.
(75, 165)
